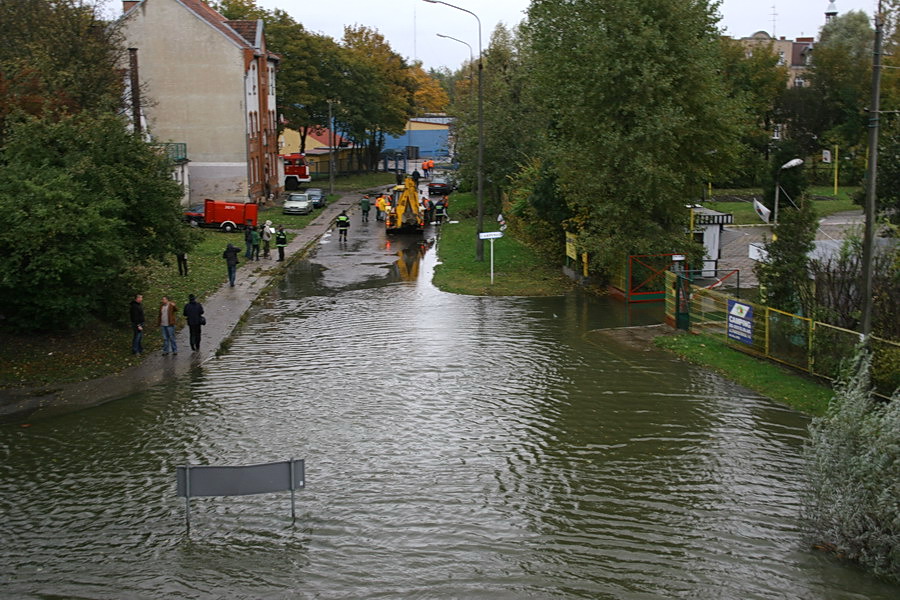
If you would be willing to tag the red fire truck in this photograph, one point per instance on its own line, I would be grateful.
(296, 171)
(227, 216)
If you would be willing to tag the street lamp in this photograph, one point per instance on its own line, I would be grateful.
(331, 141)
(479, 244)
(471, 58)
(795, 162)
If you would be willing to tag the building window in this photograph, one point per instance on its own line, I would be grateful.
(781, 60)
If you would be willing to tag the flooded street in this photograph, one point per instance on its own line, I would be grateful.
(455, 447)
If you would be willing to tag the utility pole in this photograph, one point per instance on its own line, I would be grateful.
(871, 172)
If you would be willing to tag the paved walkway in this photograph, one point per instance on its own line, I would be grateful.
(223, 311)
(736, 241)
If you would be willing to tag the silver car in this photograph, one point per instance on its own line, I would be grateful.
(297, 204)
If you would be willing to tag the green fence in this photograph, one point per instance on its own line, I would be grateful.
(812, 346)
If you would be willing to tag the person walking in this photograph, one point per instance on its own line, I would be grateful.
(182, 264)
(137, 324)
(254, 242)
(193, 312)
(379, 208)
(364, 206)
(231, 261)
(248, 240)
(167, 325)
(267, 232)
(280, 242)
(343, 224)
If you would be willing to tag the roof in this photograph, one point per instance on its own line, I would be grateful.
(244, 34)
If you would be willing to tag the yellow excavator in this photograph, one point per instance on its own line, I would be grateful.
(404, 215)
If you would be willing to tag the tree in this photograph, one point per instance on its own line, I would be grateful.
(637, 114)
(841, 76)
(784, 276)
(86, 204)
(429, 96)
(392, 104)
(853, 463)
(756, 81)
(57, 57)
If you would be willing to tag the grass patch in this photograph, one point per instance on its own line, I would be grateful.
(769, 379)
(518, 270)
(350, 183)
(825, 204)
(105, 348)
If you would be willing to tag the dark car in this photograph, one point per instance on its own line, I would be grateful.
(439, 187)
(316, 196)
(194, 214)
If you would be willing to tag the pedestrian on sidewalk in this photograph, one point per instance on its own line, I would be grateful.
(267, 233)
(167, 325)
(280, 242)
(193, 312)
(248, 240)
(231, 261)
(137, 324)
(254, 242)
(343, 224)
(364, 206)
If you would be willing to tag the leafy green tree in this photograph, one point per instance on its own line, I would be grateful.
(57, 56)
(841, 75)
(86, 204)
(637, 115)
(784, 275)
(393, 102)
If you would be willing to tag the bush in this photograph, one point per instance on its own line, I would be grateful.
(854, 468)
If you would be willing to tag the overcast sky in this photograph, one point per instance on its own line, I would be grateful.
(410, 25)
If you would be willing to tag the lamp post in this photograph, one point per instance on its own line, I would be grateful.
(795, 162)
(471, 57)
(479, 244)
(330, 150)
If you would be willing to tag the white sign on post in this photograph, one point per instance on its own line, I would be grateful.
(491, 235)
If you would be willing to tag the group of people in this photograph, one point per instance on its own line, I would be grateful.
(264, 233)
(252, 237)
(166, 320)
(427, 167)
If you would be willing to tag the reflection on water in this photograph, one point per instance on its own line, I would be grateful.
(456, 447)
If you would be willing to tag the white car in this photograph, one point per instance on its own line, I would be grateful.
(297, 204)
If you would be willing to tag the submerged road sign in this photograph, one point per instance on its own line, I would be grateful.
(197, 480)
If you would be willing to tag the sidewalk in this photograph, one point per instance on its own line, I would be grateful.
(223, 311)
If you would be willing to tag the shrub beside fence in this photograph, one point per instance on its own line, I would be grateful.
(812, 346)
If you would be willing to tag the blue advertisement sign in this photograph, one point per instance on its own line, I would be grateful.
(740, 321)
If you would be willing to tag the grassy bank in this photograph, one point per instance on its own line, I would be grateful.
(768, 378)
(103, 348)
(824, 201)
(518, 270)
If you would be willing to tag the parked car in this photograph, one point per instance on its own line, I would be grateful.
(316, 196)
(439, 186)
(297, 204)
(194, 215)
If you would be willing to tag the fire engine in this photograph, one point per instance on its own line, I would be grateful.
(296, 171)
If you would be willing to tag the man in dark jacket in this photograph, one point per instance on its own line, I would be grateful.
(231, 259)
(280, 242)
(137, 324)
(193, 312)
(343, 223)
(248, 240)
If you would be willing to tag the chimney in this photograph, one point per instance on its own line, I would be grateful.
(129, 4)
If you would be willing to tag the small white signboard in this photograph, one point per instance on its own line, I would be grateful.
(490, 235)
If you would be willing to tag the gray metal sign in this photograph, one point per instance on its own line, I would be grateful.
(199, 480)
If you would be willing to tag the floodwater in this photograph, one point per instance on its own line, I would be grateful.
(455, 447)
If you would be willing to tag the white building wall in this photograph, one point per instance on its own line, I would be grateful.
(193, 79)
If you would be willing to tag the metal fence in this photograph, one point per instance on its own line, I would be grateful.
(812, 346)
